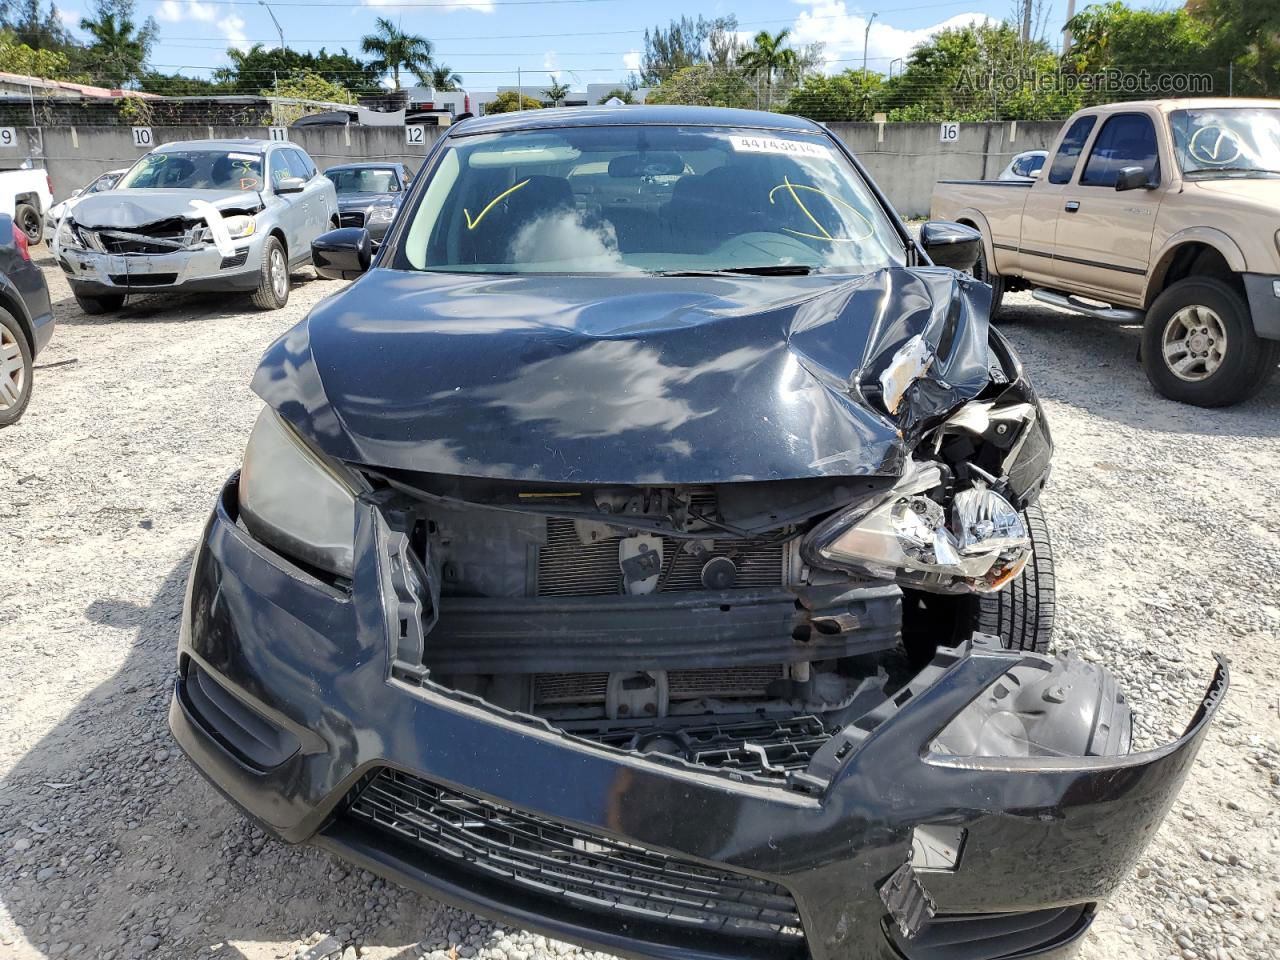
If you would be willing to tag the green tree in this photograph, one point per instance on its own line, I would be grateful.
(1246, 34)
(851, 95)
(305, 85)
(1113, 36)
(506, 102)
(625, 94)
(556, 92)
(118, 47)
(443, 78)
(17, 57)
(685, 43)
(176, 85)
(704, 85)
(394, 50)
(36, 27)
(770, 58)
(252, 69)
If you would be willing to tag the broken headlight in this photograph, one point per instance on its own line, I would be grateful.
(979, 541)
(68, 235)
(294, 500)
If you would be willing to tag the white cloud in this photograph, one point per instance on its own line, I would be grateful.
(480, 6)
(232, 28)
(175, 11)
(830, 23)
(631, 60)
(549, 60)
(70, 19)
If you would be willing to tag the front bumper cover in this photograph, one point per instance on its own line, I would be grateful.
(305, 667)
(100, 274)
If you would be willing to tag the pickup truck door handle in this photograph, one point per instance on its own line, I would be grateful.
(1072, 206)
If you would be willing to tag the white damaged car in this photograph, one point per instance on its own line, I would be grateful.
(201, 215)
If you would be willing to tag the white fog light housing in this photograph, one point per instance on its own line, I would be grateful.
(67, 236)
(240, 226)
(981, 543)
(292, 499)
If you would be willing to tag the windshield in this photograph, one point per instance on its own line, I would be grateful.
(611, 199)
(104, 182)
(364, 180)
(1227, 142)
(196, 170)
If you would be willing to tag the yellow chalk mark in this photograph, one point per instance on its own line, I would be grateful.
(472, 224)
(791, 189)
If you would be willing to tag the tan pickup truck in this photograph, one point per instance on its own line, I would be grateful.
(1164, 213)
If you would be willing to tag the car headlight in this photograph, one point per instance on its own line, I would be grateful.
(240, 226)
(294, 500)
(384, 214)
(67, 236)
(980, 543)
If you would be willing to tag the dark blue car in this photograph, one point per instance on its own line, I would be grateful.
(369, 195)
(26, 321)
(646, 550)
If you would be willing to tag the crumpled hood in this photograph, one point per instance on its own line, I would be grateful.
(126, 209)
(625, 379)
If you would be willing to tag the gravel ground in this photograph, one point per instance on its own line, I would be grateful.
(111, 846)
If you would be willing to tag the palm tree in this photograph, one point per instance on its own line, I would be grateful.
(118, 48)
(394, 50)
(556, 92)
(768, 57)
(441, 77)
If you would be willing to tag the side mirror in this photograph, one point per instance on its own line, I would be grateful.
(1131, 178)
(342, 254)
(951, 244)
(290, 185)
(76, 192)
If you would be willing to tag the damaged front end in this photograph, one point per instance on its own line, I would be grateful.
(604, 634)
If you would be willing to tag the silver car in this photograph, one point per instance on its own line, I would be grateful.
(212, 215)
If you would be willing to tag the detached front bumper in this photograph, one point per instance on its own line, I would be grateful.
(101, 274)
(285, 702)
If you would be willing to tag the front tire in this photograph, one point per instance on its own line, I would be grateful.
(29, 221)
(16, 365)
(1199, 346)
(273, 281)
(97, 306)
(981, 271)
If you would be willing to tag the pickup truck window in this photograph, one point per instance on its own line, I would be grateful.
(1227, 142)
(1064, 161)
(1126, 140)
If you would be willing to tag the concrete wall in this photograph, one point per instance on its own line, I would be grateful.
(904, 158)
(75, 155)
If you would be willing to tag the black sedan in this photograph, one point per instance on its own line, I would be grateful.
(26, 320)
(369, 195)
(610, 559)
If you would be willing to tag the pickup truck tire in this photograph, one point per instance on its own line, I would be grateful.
(273, 282)
(97, 306)
(1021, 614)
(29, 222)
(1199, 346)
(15, 370)
(981, 272)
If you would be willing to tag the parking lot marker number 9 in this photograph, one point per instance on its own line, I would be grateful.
(142, 138)
(8, 137)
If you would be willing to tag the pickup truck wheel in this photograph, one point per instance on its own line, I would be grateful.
(96, 306)
(982, 272)
(273, 284)
(28, 220)
(1021, 614)
(1199, 346)
(15, 370)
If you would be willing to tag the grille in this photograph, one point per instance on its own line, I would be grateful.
(764, 747)
(551, 688)
(116, 244)
(235, 260)
(544, 858)
(351, 219)
(143, 279)
(569, 568)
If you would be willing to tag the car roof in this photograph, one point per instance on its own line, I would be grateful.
(366, 165)
(1183, 103)
(257, 146)
(633, 116)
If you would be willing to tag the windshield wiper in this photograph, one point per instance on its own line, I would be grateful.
(768, 270)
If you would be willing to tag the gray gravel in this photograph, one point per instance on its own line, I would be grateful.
(1168, 538)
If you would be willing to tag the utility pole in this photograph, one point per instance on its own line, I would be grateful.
(519, 91)
(279, 29)
(866, 37)
(1066, 31)
(1026, 22)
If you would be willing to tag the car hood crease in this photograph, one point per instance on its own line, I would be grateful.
(126, 209)
(620, 379)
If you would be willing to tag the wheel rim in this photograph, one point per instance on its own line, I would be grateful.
(279, 274)
(1194, 343)
(31, 225)
(13, 374)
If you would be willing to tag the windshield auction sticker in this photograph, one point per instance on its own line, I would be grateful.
(800, 148)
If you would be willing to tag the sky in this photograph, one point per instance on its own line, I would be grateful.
(579, 41)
